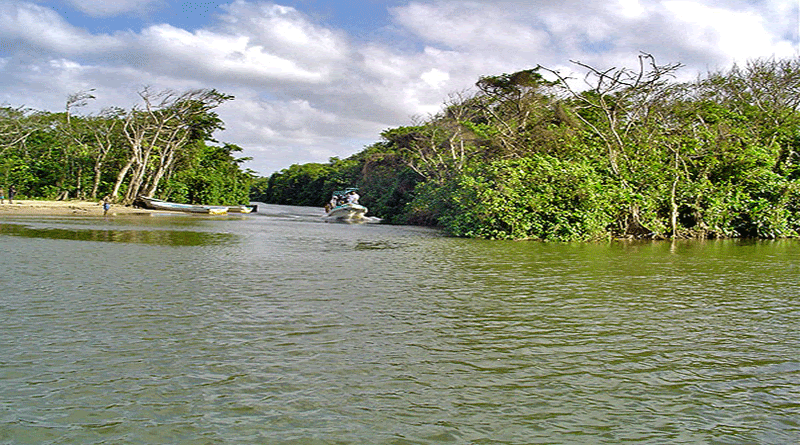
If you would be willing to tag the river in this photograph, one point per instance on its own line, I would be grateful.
(277, 328)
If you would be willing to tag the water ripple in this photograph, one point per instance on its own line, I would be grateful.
(303, 333)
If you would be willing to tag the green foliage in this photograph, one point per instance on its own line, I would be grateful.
(304, 185)
(386, 183)
(512, 84)
(537, 197)
(64, 155)
(15, 171)
(635, 154)
(214, 178)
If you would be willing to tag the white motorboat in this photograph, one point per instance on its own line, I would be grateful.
(347, 212)
(344, 206)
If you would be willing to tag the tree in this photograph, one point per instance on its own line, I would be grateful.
(159, 132)
(617, 109)
(519, 109)
(106, 136)
(16, 125)
(211, 176)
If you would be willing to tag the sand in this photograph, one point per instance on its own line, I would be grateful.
(66, 208)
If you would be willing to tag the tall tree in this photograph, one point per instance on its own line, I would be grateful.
(616, 107)
(519, 107)
(158, 133)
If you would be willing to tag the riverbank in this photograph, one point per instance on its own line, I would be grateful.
(66, 208)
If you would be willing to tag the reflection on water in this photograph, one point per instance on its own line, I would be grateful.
(160, 237)
(287, 330)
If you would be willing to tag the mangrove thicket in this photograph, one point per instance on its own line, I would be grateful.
(613, 152)
(162, 146)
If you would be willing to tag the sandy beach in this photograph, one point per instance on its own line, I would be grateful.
(66, 208)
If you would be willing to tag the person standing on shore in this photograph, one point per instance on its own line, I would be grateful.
(2, 195)
(106, 204)
(11, 192)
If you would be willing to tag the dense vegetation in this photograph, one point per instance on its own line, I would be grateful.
(527, 155)
(158, 148)
(630, 153)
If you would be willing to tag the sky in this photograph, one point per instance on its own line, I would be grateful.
(316, 79)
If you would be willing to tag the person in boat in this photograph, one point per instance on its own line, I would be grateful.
(352, 197)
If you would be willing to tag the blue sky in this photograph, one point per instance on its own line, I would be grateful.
(315, 79)
(358, 17)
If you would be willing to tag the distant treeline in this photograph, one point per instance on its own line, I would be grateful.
(157, 148)
(627, 153)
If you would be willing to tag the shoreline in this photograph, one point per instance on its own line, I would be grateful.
(27, 207)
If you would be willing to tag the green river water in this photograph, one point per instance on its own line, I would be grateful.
(277, 328)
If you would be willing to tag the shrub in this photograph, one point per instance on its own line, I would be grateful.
(537, 197)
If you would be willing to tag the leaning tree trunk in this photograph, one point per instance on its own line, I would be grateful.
(121, 177)
(138, 177)
(156, 178)
(135, 185)
(174, 142)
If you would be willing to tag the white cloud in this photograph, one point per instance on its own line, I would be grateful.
(108, 8)
(280, 133)
(285, 32)
(630, 8)
(306, 92)
(219, 55)
(435, 78)
(30, 25)
(473, 25)
(729, 34)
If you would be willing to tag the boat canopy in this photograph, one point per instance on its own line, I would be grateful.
(345, 191)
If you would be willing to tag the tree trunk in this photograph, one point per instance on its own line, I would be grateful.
(156, 178)
(135, 185)
(79, 189)
(673, 217)
(121, 177)
(98, 166)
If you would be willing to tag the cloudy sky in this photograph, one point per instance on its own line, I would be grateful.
(315, 79)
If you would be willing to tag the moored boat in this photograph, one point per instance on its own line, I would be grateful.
(159, 204)
(240, 209)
